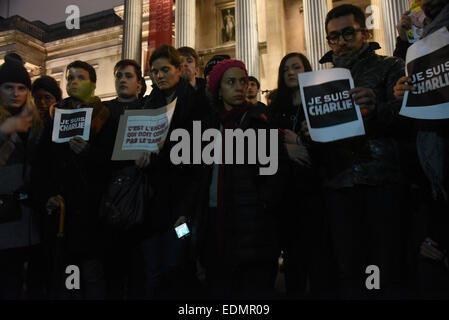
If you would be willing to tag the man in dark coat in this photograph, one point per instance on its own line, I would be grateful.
(190, 68)
(122, 264)
(430, 143)
(361, 174)
(75, 172)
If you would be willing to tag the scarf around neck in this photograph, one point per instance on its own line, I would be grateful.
(230, 118)
(348, 61)
(441, 20)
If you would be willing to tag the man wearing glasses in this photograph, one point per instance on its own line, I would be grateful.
(361, 175)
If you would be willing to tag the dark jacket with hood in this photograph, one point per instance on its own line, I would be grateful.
(371, 159)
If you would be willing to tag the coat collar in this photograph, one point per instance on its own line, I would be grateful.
(372, 46)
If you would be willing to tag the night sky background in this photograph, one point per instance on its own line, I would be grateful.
(53, 11)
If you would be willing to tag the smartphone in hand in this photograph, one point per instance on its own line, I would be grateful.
(182, 231)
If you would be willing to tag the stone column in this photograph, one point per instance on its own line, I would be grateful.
(392, 11)
(185, 22)
(132, 30)
(315, 12)
(378, 30)
(247, 46)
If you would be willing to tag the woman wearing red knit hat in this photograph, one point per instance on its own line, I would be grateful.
(239, 234)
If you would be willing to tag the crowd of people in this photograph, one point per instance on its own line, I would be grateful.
(331, 209)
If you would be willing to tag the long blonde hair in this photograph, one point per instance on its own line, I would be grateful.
(31, 106)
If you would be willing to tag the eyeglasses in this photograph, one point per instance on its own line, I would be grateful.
(347, 33)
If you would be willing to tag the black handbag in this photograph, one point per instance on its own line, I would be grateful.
(126, 199)
(10, 209)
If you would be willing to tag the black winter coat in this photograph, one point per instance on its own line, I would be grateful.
(175, 186)
(371, 159)
(251, 202)
(287, 116)
(80, 179)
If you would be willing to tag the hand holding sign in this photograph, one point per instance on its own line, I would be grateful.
(144, 160)
(402, 86)
(78, 145)
(365, 98)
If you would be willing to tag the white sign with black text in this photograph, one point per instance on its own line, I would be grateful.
(330, 111)
(71, 123)
(427, 63)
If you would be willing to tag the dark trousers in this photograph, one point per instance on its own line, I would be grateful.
(365, 230)
(306, 245)
(433, 280)
(17, 282)
(123, 266)
(227, 279)
(12, 273)
(165, 265)
(432, 276)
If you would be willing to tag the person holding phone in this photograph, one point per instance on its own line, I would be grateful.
(20, 128)
(168, 263)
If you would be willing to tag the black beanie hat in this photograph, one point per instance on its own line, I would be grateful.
(14, 71)
(214, 61)
(49, 84)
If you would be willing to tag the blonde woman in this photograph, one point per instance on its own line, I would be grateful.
(20, 128)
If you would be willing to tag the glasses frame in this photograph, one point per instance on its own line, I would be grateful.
(341, 34)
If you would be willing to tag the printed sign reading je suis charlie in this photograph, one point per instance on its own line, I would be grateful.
(330, 111)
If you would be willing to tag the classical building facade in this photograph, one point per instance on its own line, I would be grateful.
(259, 32)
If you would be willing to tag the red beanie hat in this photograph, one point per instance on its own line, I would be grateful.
(217, 73)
